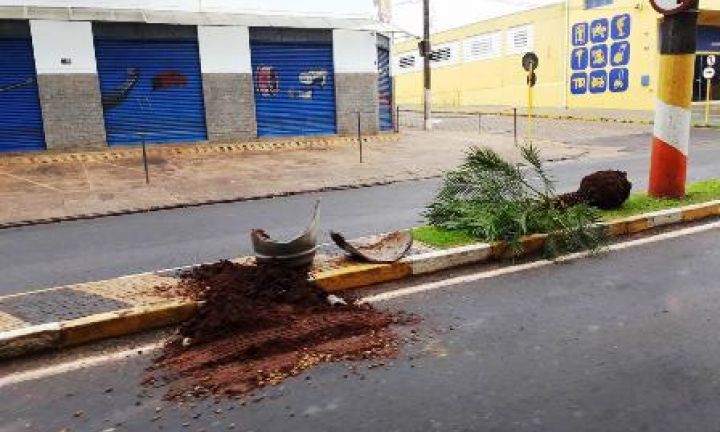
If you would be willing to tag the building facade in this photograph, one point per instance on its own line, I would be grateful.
(93, 74)
(598, 54)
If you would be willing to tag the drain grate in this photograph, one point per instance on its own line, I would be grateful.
(58, 305)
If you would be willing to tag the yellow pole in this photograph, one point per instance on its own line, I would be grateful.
(530, 105)
(707, 102)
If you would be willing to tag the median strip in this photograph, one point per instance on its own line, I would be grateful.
(144, 309)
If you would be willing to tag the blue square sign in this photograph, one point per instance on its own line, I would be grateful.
(599, 56)
(599, 30)
(580, 34)
(620, 27)
(620, 53)
(580, 58)
(598, 81)
(619, 80)
(579, 83)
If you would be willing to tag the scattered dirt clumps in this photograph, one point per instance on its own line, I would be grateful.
(259, 325)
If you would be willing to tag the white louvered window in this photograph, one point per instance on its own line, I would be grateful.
(483, 47)
(520, 39)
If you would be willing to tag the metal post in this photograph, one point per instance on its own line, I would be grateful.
(397, 119)
(145, 162)
(678, 44)
(359, 131)
(708, 97)
(515, 126)
(427, 65)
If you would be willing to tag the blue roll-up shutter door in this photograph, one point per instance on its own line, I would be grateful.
(385, 90)
(294, 89)
(151, 88)
(21, 125)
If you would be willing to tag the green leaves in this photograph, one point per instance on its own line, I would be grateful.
(493, 199)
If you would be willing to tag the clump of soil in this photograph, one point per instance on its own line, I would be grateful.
(606, 190)
(259, 325)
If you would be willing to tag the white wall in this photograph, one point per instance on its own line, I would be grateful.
(224, 49)
(355, 51)
(63, 47)
(365, 8)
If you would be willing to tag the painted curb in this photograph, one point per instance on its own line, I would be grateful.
(361, 275)
(189, 149)
(103, 326)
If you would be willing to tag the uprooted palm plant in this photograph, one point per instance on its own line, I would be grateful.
(494, 199)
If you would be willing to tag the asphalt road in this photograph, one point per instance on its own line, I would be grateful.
(51, 255)
(622, 342)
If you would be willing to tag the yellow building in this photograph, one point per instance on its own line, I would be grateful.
(599, 54)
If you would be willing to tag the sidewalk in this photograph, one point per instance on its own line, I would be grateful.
(93, 185)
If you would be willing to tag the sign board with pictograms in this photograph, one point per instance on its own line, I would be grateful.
(670, 7)
(600, 56)
(711, 60)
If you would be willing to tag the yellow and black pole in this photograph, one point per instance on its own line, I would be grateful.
(530, 63)
(670, 144)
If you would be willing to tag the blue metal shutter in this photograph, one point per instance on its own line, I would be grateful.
(385, 90)
(294, 89)
(21, 125)
(152, 87)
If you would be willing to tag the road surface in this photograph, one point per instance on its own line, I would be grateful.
(623, 342)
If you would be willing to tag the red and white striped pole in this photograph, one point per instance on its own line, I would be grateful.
(673, 113)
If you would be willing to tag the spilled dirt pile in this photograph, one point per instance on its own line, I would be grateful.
(259, 325)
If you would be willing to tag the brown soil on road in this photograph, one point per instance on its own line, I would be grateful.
(259, 325)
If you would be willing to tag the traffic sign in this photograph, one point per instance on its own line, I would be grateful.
(711, 60)
(670, 7)
(709, 73)
(530, 61)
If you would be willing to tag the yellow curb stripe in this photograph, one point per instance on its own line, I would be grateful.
(676, 79)
(361, 275)
(114, 324)
(691, 214)
(188, 149)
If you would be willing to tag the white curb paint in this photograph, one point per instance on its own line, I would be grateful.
(441, 260)
(665, 217)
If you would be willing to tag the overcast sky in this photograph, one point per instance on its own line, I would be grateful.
(453, 13)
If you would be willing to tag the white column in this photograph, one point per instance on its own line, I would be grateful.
(355, 51)
(224, 49)
(63, 47)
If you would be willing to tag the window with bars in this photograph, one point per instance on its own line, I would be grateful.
(483, 47)
(520, 39)
(407, 62)
(590, 4)
(441, 55)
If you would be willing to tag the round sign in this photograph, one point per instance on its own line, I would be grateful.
(530, 61)
(711, 60)
(709, 73)
(669, 7)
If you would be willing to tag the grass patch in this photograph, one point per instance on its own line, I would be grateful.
(639, 203)
(441, 238)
